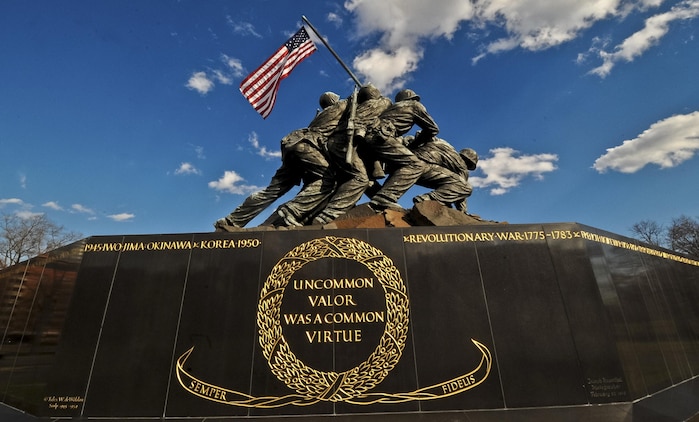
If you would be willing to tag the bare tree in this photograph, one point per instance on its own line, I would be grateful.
(25, 237)
(649, 231)
(683, 235)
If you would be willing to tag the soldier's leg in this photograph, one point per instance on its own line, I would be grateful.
(448, 186)
(314, 194)
(319, 183)
(352, 182)
(406, 170)
(255, 203)
(286, 177)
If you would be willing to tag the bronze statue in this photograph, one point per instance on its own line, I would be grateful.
(340, 156)
(383, 140)
(447, 171)
(303, 161)
(351, 160)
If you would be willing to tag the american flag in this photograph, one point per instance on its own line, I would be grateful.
(260, 87)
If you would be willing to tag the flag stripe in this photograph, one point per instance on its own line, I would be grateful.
(261, 86)
(303, 52)
(262, 71)
(265, 102)
(261, 89)
(266, 96)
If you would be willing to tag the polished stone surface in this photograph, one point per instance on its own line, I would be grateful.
(477, 323)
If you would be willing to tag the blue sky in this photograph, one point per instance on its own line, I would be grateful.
(125, 117)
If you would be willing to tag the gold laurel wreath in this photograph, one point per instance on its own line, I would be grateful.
(332, 386)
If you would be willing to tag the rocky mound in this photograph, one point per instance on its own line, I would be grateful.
(427, 213)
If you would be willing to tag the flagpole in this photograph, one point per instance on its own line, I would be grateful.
(325, 43)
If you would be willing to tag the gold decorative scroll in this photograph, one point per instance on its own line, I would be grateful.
(355, 385)
(441, 390)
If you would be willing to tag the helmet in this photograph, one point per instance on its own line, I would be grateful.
(368, 92)
(470, 157)
(407, 94)
(327, 99)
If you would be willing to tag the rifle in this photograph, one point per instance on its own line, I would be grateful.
(350, 126)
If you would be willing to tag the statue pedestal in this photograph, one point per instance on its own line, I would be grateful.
(478, 323)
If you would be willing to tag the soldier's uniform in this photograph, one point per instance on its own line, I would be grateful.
(303, 161)
(353, 176)
(447, 172)
(383, 140)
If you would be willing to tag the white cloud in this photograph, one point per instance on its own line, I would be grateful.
(187, 168)
(506, 169)
(235, 66)
(81, 209)
(404, 26)
(124, 216)
(24, 210)
(535, 25)
(388, 68)
(655, 28)
(11, 201)
(222, 78)
(243, 28)
(231, 182)
(334, 18)
(53, 205)
(26, 214)
(23, 181)
(666, 143)
(200, 82)
(261, 149)
(203, 81)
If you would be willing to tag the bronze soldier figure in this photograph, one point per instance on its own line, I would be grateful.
(383, 140)
(303, 161)
(447, 171)
(351, 161)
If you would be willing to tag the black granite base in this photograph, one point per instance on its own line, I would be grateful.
(471, 323)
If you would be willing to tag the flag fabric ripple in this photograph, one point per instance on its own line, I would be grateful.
(261, 86)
